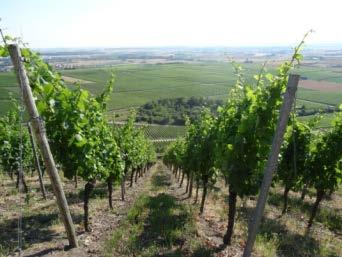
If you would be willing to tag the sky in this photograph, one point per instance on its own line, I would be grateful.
(149, 23)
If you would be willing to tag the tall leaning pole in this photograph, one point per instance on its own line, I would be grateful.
(272, 162)
(42, 142)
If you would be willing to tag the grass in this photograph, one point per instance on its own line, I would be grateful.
(157, 225)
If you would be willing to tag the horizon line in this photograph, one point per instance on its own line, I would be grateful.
(322, 44)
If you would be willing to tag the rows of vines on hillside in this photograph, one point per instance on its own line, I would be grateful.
(236, 143)
(83, 142)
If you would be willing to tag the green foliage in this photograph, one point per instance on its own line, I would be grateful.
(241, 135)
(81, 139)
(136, 149)
(175, 154)
(200, 147)
(194, 153)
(174, 110)
(246, 125)
(3, 51)
(294, 155)
(14, 135)
(325, 163)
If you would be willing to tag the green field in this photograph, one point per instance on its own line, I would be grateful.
(156, 132)
(310, 105)
(325, 122)
(319, 74)
(137, 84)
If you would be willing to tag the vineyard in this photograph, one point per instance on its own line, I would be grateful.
(74, 181)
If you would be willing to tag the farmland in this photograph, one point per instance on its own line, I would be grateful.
(137, 84)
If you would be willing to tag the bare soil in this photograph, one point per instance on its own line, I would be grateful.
(321, 85)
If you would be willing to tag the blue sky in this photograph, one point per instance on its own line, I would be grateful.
(127, 23)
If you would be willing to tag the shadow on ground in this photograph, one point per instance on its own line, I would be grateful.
(158, 225)
(36, 229)
(286, 242)
(331, 218)
(100, 191)
(160, 180)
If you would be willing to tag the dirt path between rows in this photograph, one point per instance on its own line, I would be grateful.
(210, 226)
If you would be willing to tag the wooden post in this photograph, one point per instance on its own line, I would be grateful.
(36, 160)
(42, 141)
(272, 162)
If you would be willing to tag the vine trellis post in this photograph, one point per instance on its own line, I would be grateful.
(42, 142)
(272, 162)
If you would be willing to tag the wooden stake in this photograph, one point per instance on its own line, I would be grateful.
(36, 160)
(42, 141)
(272, 162)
